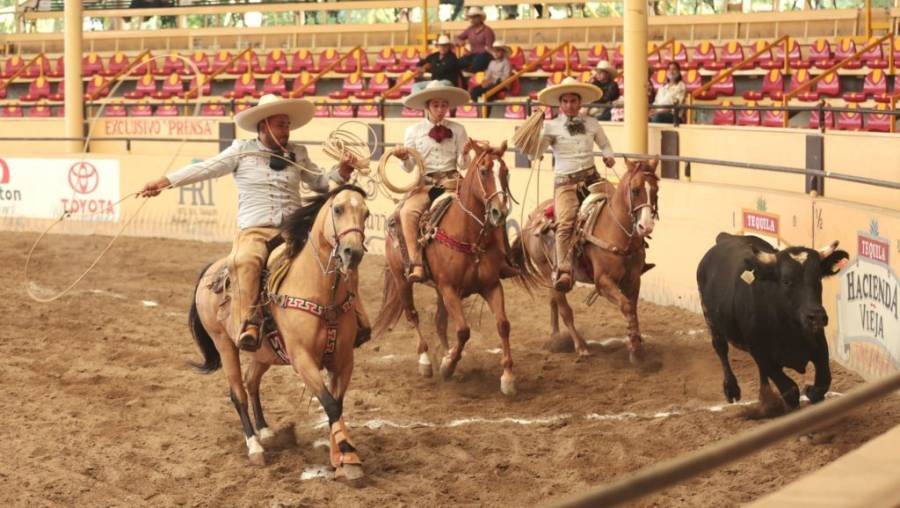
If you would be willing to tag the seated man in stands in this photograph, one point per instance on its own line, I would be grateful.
(480, 37)
(499, 69)
(443, 64)
(604, 80)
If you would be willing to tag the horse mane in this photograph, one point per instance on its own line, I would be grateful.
(299, 223)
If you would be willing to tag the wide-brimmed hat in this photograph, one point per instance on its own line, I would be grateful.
(442, 40)
(603, 65)
(588, 92)
(475, 11)
(501, 45)
(300, 112)
(454, 96)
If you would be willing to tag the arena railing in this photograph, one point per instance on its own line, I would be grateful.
(666, 474)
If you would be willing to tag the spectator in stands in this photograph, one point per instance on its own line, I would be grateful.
(670, 94)
(443, 64)
(498, 70)
(604, 80)
(480, 37)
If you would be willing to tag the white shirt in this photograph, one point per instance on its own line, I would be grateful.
(439, 157)
(265, 196)
(670, 94)
(573, 153)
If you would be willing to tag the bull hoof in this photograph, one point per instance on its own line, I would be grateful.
(814, 393)
(792, 397)
(349, 472)
(265, 435)
(732, 390)
(447, 368)
(425, 369)
(508, 385)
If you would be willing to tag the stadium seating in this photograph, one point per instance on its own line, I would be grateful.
(221, 60)
(386, 59)
(147, 65)
(117, 63)
(275, 60)
(356, 61)
(243, 86)
(11, 111)
(12, 65)
(142, 109)
(302, 82)
(732, 53)
(37, 90)
(748, 117)
(879, 122)
(326, 58)
(820, 54)
(201, 60)
(516, 57)
(167, 109)
(202, 82)
(39, 110)
(322, 111)
(91, 64)
(367, 111)
(301, 60)
(466, 111)
(692, 80)
(275, 83)
(705, 56)
(772, 118)
(596, 54)
(850, 120)
(97, 88)
(354, 83)
(247, 62)
(846, 48)
(342, 110)
(115, 109)
(171, 64)
(173, 86)
(814, 119)
(409, 57)
(724, 116)
(514, 112)
(773, 83)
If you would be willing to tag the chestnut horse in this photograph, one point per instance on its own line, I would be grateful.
(613, 261)
(313, 311)
(463, 258)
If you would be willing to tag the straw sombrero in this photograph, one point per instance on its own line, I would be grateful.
(588, 92)
(603, 65)
(442, 40)
(501, 45)
(300, 112)
(475, 11)
(454, 96)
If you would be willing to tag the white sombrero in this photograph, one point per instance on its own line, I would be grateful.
(475, 11)
(501, 45)
(300, 112)
(588, 92)
(603, 65)
(454, 96)
(442, 40)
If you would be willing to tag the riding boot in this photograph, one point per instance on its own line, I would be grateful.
(249, 339)
(562, 280)
(410, 236)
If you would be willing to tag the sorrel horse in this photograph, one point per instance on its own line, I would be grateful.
(464, 258)
(613, 255)
(313, 310)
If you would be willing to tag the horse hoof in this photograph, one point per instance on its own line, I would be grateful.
(636, 356)
(257, 459)
(446, 368)
(349, 472)
(265, 434)
(508, 385)
(425, 369)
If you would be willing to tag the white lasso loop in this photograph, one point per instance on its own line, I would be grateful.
(341, 142)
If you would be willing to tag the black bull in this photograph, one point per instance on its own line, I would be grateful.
(769, 303)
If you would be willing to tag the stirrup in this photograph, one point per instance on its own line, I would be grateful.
(416, 273)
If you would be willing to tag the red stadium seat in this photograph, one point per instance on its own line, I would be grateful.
(801, 77)
(850, 120)
(653, 57)
(2, 91)
(41, 110)
(167, 109)
(585, 76)
(147, 65)
(275, 84)
(814, 119)
(516, 57)
(352, 84)
(772, 85)
(301, 60)
(116, 64)
(199, 59)
(37, 90)
(724, 116)
(13, 64)
(358, 61)
(213, 108)
(115, 109)
(220, 61)
(874, 56)
(618, 57)
(476, 80)
(322, 111)
(879, 122)
(142, 109)
(367, 111)
(97, 88)
(170, 64)
(11, 111)
(724, 88)
(202, 82)
(846, 48)
(173, 86)
(411, 113)
(342, 110)
(404, 89)
(773, 118)
(795, 58)
(246, 63)
(732, 53)
(514, 112)
(658, 79)
(875, 83)
(854, 96)
(896, 50)
(379, 84)
(557, 61)
(692, 80)
(326, 58)
(409, 57)
(820, 54)
(705, 56)
(40, 67)
(467, 111)
(677, 52)
(275, 60)
(385, 59)
(748, 117)
(597, 54)
(59, 69)
(242, 105)
(244, 86)
(60, 91)
(829, 86)
(764, 60)
(302, 82)
(91, 64)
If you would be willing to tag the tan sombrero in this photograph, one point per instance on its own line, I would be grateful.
(300, 112)
(475, 11)
(454, 96)
(501, 45)
(588, 92)
(442, 40)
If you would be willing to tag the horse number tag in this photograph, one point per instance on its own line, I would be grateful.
(748, 276)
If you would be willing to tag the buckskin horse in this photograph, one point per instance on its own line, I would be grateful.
(463, 258)
(612, 256)
(314, 321)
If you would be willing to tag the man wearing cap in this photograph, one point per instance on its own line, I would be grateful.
(499, 69)
(571, 136)
(480, 37)
(603, 79)
(443, 63)
(268, 191)
(443, 145)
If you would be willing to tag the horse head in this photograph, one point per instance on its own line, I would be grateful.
(487, 180)
(345, 225)
(640, 186)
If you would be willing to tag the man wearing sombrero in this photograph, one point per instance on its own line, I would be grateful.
(480, 38)
(571, 136)
(443, 63)
(268, 191)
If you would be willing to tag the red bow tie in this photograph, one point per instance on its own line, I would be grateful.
(440, 133)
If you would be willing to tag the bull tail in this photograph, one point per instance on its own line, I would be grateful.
(391, 306)
(211, 359)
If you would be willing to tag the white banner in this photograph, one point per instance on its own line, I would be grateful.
(44, 188)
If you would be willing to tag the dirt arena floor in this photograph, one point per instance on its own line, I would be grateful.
(100, 408)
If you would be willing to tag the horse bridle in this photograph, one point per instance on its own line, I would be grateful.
(654, 210)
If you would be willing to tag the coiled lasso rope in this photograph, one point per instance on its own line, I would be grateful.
(66, 213)
(342, 142)
(419, 171)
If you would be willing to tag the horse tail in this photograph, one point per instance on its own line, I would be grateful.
(391, 306)
(529, 277)
(211, 359)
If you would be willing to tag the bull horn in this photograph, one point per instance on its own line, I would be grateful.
(824, 252)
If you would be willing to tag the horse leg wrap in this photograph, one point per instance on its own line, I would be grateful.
(342, 450)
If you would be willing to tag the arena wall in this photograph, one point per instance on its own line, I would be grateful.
(864, 329)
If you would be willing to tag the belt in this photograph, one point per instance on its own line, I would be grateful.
(579, 176)
(438, 177)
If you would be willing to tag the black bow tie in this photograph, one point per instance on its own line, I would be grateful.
(575, 126)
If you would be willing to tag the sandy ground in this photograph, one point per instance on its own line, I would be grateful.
(101, 409)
